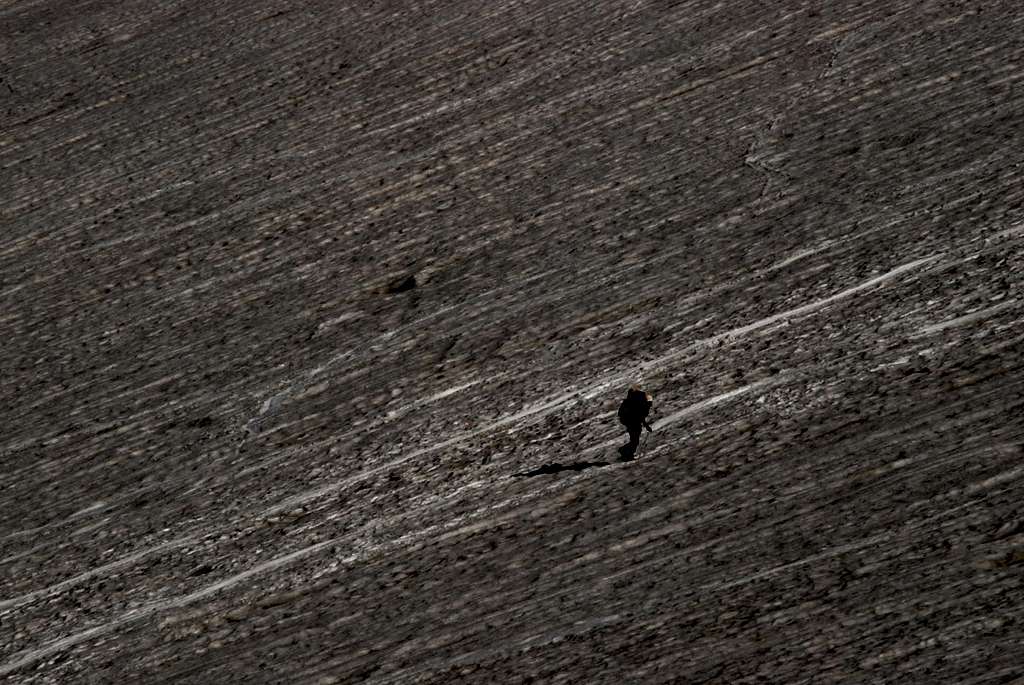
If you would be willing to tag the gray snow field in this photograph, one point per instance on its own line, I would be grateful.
(241, 445)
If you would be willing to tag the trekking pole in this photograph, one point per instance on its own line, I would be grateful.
(643, 444)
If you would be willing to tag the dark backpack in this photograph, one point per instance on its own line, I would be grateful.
(635, 408)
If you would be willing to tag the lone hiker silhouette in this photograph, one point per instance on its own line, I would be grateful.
(633, 415)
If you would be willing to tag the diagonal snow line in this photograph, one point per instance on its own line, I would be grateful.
(538, 409)
(697, 407)
(33, 655)
(965, 319)
(718, 399)
(795, 312)
(549, 405)
(82, 577)
(797, 256)
(36, 529)
(998, 479)
(835, 551)
(302, 497)
(828, 553)
(1011, 232)
(447, 393)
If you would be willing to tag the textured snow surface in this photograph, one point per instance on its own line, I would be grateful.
(233, 450)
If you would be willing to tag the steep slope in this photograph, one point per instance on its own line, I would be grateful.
(235, 451)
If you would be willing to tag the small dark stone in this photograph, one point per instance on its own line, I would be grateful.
(402, 284)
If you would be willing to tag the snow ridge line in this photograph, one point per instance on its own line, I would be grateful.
(81, 577)
(794, 312)
(546, 406)
(146, 611)
(538, 409)
(973, 317)
(33, 655)
(697, 407)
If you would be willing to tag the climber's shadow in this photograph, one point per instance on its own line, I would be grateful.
(555, 467)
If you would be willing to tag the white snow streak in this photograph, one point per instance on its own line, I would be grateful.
(81, 577)
(717, 399)
(707, 403)
(30, 656)
(796, 256)
(965, 319)
(538, 409)
(547, 406)
(795, 312)
(78, 514)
